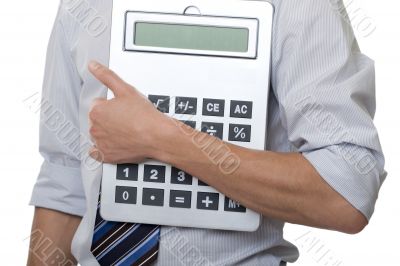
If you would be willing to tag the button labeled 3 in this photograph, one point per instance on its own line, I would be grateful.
(180, 177)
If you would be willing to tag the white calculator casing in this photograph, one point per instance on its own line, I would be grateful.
(230, 76)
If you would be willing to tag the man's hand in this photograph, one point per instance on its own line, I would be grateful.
(125, 129)
(283, 186)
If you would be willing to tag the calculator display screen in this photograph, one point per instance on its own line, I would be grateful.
(193, 37)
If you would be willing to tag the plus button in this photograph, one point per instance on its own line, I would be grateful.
(207, 202)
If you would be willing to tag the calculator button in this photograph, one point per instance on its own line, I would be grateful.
(154, 173)
(191, 124)
(186, 105)
(127, 172)
(241, 109)
(212, 107)
(125, 195)
(180, 199)
(161, 102)
(207, 201)
(213, 129)
(180, 177)
(239, 132)
(233, 206)
(201, 183)
(153, 197)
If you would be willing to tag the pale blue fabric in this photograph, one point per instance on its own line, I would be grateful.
(322, 105)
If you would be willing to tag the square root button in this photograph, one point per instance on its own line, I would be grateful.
(207, 201)
(161, 102)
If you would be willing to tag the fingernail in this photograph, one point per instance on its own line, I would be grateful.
(94, 65)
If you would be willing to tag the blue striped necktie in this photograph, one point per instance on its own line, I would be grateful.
(124, 244)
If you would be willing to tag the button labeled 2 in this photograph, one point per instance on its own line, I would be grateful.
(154, 173)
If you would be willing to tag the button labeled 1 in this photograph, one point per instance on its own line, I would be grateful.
(239, 132)
(241, 109)
(127, 172)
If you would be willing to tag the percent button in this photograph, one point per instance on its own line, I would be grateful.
(240, 133)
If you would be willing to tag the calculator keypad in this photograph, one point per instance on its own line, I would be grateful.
(185, 193)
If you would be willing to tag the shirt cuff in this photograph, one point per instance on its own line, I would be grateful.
(59, 188)
(358, 188)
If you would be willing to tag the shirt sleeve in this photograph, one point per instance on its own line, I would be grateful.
(59, 185)
(325, 88)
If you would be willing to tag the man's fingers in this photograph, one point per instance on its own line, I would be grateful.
(109, 78)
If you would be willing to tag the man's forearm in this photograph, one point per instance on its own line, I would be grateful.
(284, 186)
(51, 238)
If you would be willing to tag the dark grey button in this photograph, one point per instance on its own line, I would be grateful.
(191, 124)
(213, 129)
(161, 102)
(241, 109)
(207, 201)
(125, 195)
(127, 172)
(153, 197)
(154, 173)
(180, 177)
(233, 206)
(186, 105)
(180, 199)
(239, 132)
(213, 107)
(201, 183)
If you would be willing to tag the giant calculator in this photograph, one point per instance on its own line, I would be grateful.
(206, 63)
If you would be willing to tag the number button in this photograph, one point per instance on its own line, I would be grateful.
(213, 129)
(180, 177)
(154, 173)
(160, 102)
(153, 197)
(239, 132)
(186, 105)
(212, 107)
(127, 172)
(180, 199)
(233, 206)
(207, 201)
(125, 195)
(241, 109)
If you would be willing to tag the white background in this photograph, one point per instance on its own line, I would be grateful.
(24, 30)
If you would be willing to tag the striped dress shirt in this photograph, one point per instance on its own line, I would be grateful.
(321, 104)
